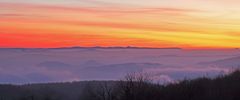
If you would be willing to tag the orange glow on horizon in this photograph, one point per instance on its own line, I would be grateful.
(43, 26)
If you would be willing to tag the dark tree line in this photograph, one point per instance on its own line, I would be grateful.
(133, 87)
(140, 87)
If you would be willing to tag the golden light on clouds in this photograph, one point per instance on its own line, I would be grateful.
(99, 23)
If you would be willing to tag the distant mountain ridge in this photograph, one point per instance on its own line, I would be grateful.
(98, 47)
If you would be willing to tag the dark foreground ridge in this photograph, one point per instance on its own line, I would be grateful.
(134, 87)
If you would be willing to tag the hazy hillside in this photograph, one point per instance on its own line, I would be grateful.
(233, 62)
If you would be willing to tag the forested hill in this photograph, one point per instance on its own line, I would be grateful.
(225, 87)
(46, 91)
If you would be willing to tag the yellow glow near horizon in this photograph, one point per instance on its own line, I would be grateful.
(97, 23)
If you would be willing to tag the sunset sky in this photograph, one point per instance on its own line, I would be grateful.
(140, 23)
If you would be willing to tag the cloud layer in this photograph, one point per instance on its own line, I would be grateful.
(164, 65)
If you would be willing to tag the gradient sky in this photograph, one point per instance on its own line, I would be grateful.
(142, 23)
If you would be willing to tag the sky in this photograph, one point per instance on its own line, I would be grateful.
(140, 23)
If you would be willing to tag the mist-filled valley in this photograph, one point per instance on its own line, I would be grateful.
(22, 66)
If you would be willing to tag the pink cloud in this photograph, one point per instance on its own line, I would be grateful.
(100, 9)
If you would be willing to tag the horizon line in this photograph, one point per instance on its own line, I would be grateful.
(101, 47)
(113, 47)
